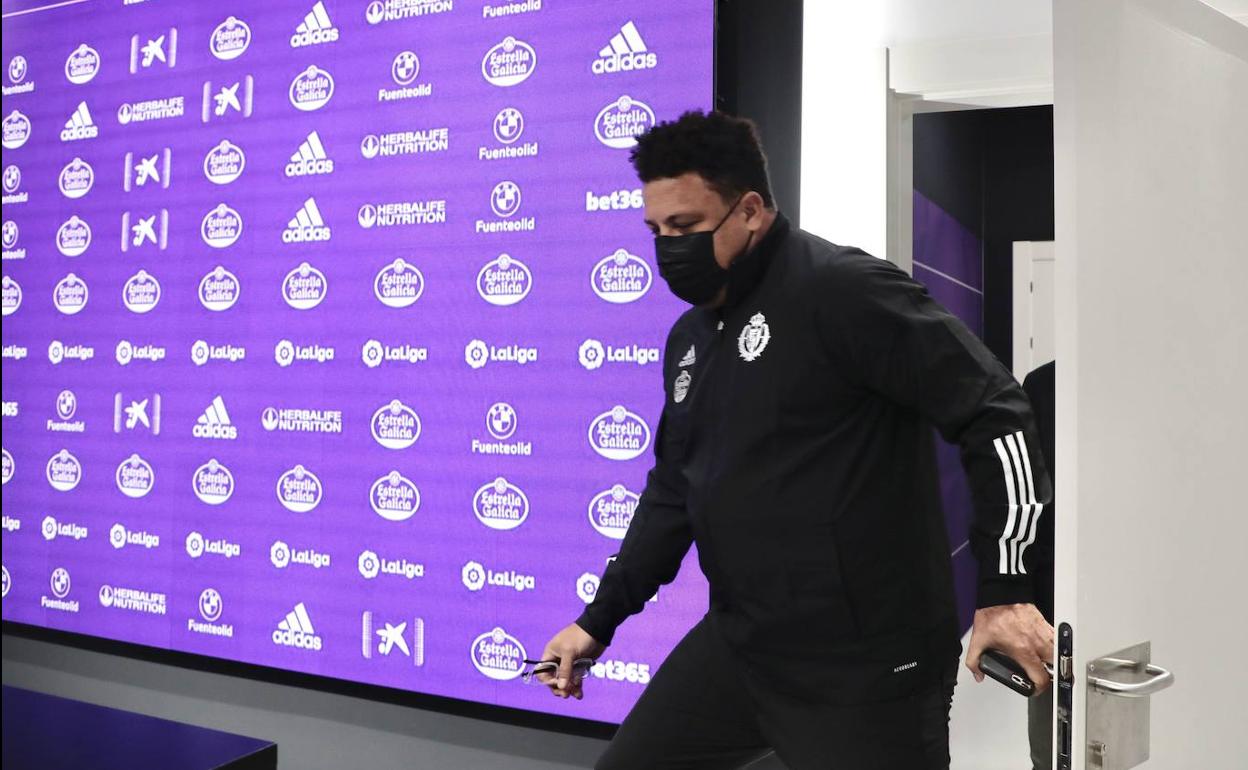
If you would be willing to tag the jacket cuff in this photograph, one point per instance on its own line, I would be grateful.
(596, 627)
(996, 590)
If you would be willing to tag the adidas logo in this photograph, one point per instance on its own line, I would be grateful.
(625, 53)
(215, 422)
(310, 159)
(690, 358)
(297, 631)
(79, 125)
(315, 29)
(306, 225)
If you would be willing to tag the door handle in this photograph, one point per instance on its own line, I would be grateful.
(1158, 679)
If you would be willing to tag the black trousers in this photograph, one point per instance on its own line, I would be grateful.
(698, 712)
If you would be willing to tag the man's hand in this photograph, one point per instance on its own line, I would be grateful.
(1018, 630)
(566, 646)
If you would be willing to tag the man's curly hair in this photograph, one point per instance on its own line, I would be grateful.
(722, 149)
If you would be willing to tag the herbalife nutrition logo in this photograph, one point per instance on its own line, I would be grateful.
(215, 422)
(310, 159)
(316, 28)
(80, 125)
(625, 53)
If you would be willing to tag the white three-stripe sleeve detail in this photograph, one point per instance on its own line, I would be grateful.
(1008, 471)
(1036, 505)
(1024, 499)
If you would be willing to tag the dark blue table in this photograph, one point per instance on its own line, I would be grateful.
(48, 733)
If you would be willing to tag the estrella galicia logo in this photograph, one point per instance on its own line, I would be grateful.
(73, 237)
(395, 425)
(135, 477)
(12, 296)
(64, 471)
(311, 89)
(221, 227)
(501, 505)
(141, 292)
(224, 163)
(509, 63)
(16, 129)
(230, 39)
(619, 434)
(399, 284)
(620, 123)
(621, 278)
(304, 287)
(212, 482)
(498, 655)
(611, 512)
(76, 179)
(82, 65)
(299, 490)
(219, 289)
(504, 281)
(70, 295)
(394, 498)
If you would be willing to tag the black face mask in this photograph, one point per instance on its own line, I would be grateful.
(687, 263)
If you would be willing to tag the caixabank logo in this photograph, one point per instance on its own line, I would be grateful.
(156, 50)
(228, 100)
(399, 284)
(148, 170)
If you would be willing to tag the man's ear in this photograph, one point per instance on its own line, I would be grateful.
(753, 206)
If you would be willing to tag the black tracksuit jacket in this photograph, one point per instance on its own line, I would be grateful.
(795, 448)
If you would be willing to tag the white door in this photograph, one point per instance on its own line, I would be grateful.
(1151, 137)
(1035, 335)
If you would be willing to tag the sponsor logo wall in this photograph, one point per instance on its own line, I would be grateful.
(332, 333)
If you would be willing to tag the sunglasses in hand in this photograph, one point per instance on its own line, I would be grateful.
(544, 671)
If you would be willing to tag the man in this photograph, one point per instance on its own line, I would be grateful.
(795, 449)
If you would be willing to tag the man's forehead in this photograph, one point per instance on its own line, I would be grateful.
(675, 196)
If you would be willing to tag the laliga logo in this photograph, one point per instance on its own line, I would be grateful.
(224, 163)
(621, 278)
(279, 554)
(70, 295)
(219, 290)
(213, 483)
(230, 39)
(311, 89)
(611, 512)
(64, 471)
(591, 354)
(587, 587)
(141, 293)
(221, 227)
(16, 129)
(12, 296)
(82, 65)
(501, 505)
(304, 287)
(369, 564)
(299, 490)
(73, 237)
(619, 434)
(504, 281)
(395, 425)
(399, 284)
(135, 477)
(76, 179)
(498, 655)
(394, 498)
(620, 122)
(473, 576)
(509, 63)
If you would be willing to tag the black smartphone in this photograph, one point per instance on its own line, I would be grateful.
(1008, 672)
